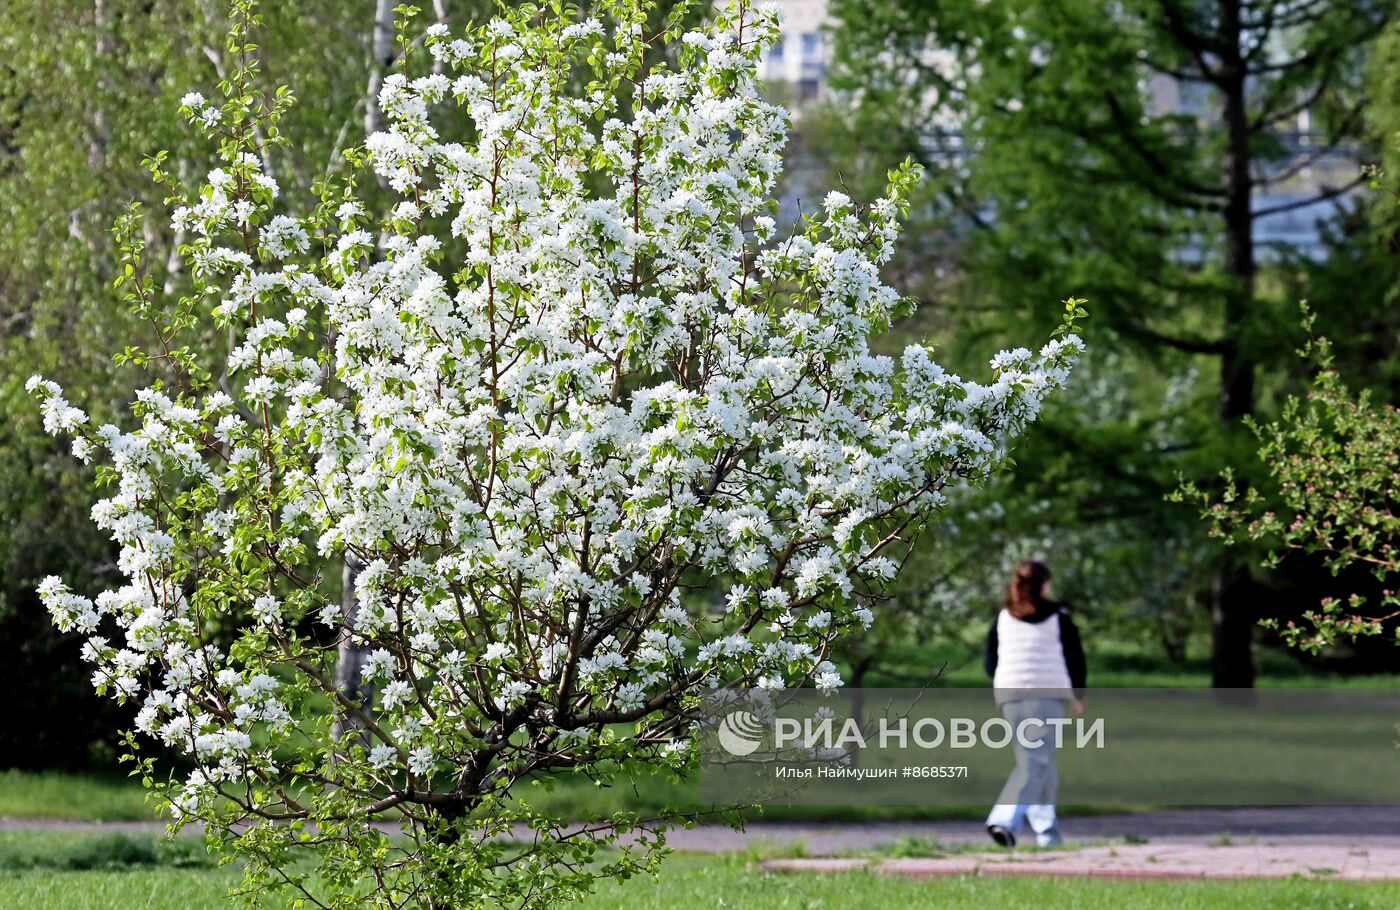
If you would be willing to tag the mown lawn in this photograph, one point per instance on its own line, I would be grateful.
(57, 794)
(45, 794)
(695, 882)
(112, 797)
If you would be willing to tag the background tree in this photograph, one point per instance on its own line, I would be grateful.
(1331, 456)
(78, 86)
(1132, 152)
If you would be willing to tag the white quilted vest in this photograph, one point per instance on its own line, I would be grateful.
(1029, 654)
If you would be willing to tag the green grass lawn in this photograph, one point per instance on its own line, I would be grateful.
(56, 794)
(1113, 663)
(690, 882)
(52, 794)
(112, 797)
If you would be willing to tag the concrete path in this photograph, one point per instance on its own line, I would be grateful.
(1351, 843)
(1342, 826)
(1262, 859)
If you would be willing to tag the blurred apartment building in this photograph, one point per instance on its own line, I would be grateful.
(801, 56)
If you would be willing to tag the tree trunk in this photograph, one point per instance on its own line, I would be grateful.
(1173, 644)
(381, 43)
(859, 668)
(1232, 628)
(350, 656)
(101, 50)
(1231, 619)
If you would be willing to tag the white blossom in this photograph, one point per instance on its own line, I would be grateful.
(571, 371)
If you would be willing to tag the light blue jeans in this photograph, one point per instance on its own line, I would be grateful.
(1029, 794)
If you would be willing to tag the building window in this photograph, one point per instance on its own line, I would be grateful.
(813, 65)
(775, 53)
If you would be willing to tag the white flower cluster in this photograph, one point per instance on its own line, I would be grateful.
(575, 375)
(200, 112)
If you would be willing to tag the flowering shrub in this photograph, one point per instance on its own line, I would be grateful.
(1332, 457)
(572, 381)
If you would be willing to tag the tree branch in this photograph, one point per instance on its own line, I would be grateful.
(1332, 193)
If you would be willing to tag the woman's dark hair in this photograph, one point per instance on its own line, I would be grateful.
(1023, 592)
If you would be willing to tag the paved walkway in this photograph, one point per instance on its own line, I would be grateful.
(1351, 843)
(1324, 825)
(1262, 859)
(1361, 843)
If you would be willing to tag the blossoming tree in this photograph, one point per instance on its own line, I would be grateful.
(572, 382)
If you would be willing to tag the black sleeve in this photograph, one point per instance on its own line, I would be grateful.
(1074, 653)
(989, 658)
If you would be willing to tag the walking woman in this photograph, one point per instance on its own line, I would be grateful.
(1036, 662)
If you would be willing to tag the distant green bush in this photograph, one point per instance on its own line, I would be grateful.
(101, 852)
